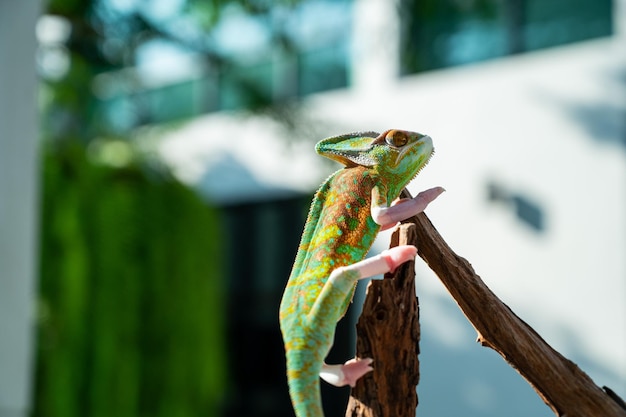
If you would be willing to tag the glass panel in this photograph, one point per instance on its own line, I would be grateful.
(322, 69)
(557, 22)
(443, 33)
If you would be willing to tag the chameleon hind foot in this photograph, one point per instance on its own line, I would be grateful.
(386, 261)
(346, 374)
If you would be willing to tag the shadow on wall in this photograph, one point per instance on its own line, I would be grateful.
(604, 120)
(528, 211)
(604, 123)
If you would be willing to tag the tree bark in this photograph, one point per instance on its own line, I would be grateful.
(562, 385)
(388, 331)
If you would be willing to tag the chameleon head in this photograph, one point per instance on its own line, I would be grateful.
(402, 153)
(393, 153)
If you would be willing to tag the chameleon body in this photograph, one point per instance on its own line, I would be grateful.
(345, 217)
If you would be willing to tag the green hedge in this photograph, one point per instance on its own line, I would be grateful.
(131, 306)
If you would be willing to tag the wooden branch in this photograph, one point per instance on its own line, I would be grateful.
(566, 389)
(388, 331)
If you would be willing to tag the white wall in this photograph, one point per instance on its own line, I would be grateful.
(18, 202)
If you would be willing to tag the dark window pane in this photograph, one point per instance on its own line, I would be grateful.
(444, 33)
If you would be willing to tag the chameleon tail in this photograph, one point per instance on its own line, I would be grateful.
(304, 386)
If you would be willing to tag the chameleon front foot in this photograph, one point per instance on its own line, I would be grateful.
(402, 209)
(346, 374)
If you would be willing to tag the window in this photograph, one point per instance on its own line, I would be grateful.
(444, 33)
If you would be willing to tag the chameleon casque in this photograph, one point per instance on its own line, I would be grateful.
(346, 214)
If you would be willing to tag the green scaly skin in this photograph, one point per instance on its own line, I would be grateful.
(338, 233)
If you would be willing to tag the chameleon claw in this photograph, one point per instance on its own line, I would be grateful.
(404, 208)
(348, 373)
(355, 369)
(398, 255)
(386, 261)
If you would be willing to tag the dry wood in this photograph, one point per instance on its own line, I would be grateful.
(566, 389)
(388, 331)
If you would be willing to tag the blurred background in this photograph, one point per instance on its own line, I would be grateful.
(157, 164)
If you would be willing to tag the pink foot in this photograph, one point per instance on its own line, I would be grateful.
(404, 208)
(346, 374)
(398, 255)
(355, 369)
(388, 260)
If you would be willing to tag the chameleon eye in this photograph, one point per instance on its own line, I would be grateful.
(396, 138)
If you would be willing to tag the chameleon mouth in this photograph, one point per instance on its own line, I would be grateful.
(426, 161)
(425, 141)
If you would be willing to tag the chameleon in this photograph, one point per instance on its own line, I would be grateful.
(347, 212)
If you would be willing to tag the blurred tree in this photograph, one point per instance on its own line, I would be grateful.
(106, 37)
(132, 294)
(131, 285)
(212, 55)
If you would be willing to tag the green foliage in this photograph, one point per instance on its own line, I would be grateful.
(131, 317)
(105, 38)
